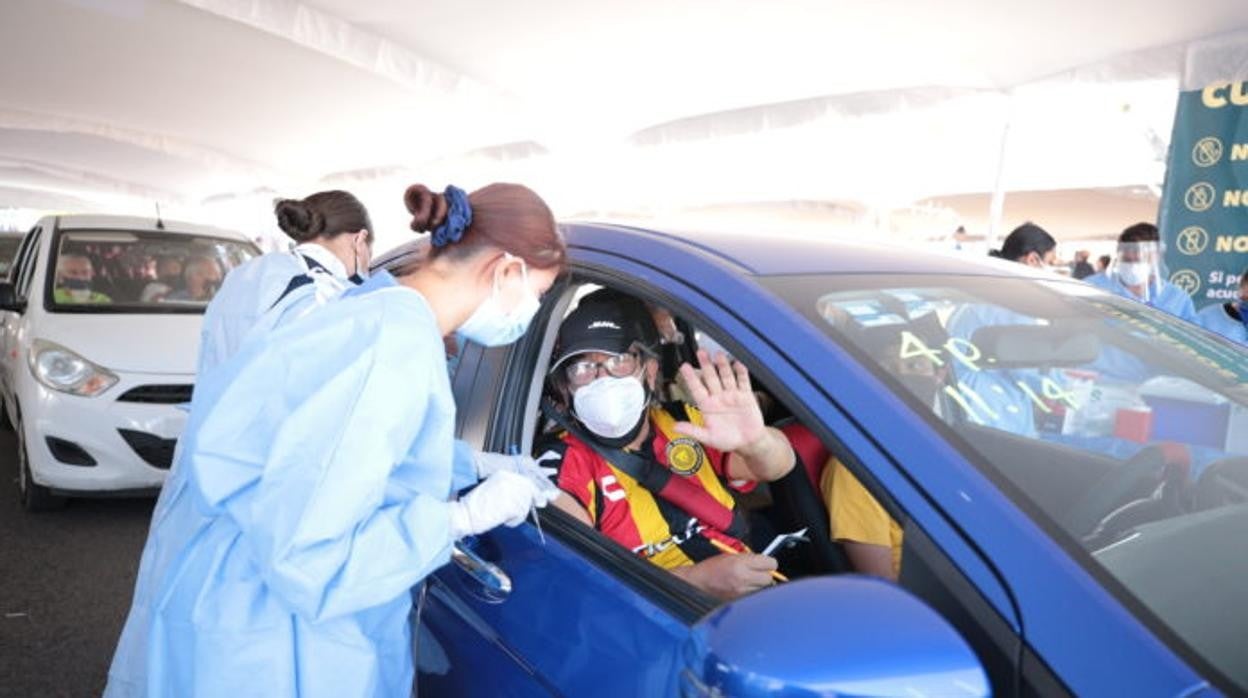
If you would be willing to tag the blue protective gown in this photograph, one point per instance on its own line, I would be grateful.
(1169, 298)
(1215, 319)
(1002, 404)
(250, 294)
(310, 495)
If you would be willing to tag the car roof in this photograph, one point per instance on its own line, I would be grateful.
(136, 223)
(767, 254)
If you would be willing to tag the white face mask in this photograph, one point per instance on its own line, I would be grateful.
(610, 407)
(491, 327)
(1135, 273)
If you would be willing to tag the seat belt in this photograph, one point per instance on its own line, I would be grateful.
(678, 490)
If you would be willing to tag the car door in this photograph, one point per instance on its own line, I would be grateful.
(582, 617)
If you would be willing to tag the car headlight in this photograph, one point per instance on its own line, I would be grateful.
(62, 370)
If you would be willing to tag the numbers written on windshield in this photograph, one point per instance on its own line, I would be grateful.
(1043, 393)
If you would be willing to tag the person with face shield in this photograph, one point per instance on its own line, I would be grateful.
(317, 475)
(335, 239)
(658, 479)
(1229, 319)
(74, 274)
(1136, 273)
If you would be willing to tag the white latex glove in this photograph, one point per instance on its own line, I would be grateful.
(504, 498)
(489, 463)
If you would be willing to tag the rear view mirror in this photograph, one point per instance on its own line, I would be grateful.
(843, 635)
(8, 298)
(1030, 346)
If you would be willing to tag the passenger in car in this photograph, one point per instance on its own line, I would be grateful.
(74, 275)
(203, 277)
(168, 279)
(871, 538)
(657, 479)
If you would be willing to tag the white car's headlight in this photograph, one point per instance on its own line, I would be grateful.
(61, 369)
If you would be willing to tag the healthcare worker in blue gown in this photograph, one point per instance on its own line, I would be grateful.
(320, 468)
(1000, 401)
(1229, 319)
(1137, 273)
(335, 239)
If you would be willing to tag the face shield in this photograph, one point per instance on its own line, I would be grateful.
(1138, 267)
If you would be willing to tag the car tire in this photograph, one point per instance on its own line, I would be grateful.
(34, 497)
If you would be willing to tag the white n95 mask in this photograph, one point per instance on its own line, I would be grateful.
(610, 407)
(491, 327)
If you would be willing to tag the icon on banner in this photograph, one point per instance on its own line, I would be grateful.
(1192, 240)
(1187, 280)
(1199, 196)
(1207, 152)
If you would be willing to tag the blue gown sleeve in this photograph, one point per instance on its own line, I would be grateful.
(304, 471)
(465, 473)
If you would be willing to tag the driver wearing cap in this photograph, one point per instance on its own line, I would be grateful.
(658, 479)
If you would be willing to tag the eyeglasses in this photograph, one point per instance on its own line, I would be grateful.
(583, 371)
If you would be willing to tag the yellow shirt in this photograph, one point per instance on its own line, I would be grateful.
(854, 514)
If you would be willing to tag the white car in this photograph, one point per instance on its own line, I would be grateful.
(9, 240)
(98, 348)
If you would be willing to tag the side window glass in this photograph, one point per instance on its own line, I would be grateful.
(25, 268)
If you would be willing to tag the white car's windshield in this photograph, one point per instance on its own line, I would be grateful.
(1123, 428)
(127, 272)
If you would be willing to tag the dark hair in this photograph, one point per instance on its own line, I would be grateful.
(1105, 259)
(510, 217)
(1140, 232)
(1024, 240)
(325, 214)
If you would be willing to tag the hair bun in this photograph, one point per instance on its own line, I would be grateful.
(428, 208)
(298, 220)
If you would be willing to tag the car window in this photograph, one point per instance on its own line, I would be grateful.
(8, 252)
(1121, 429)
(140, 271)
(27, 257)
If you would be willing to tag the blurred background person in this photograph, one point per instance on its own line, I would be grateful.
(1081, 268)
(1229, 319)
(1028, 244)
(1102, 263)
(203, 277)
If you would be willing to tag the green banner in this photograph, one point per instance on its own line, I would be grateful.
(1204, 207)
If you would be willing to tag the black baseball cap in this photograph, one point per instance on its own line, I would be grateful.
(605, 321)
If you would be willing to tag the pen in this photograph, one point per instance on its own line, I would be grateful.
(733, 551)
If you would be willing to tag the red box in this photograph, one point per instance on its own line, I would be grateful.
(1134, 424)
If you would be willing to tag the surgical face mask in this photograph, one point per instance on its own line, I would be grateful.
(610, 407)
(79, 289)
(1135, 273)
(490, 326)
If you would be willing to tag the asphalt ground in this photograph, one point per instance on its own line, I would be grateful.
(65, 583)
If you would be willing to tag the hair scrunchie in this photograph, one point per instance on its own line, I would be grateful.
(458, 217)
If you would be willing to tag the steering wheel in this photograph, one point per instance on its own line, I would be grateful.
(1155, 474)
(1223, 483)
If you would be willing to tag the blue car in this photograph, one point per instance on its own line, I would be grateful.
(1070, 476)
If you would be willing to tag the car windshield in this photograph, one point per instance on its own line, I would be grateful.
(1122, 429)
(140, 272)
(8, 250)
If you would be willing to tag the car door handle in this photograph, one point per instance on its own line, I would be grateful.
(487, 574)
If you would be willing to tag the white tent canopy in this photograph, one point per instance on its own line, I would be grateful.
(214, 106)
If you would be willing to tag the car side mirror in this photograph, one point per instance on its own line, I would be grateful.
(8, 298)
(844, 635)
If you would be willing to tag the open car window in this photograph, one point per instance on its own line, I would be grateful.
(139, 272)
(1122, 430)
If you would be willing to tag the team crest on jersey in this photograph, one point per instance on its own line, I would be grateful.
(684, 456)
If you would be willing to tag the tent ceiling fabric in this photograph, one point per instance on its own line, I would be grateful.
(187, 101)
